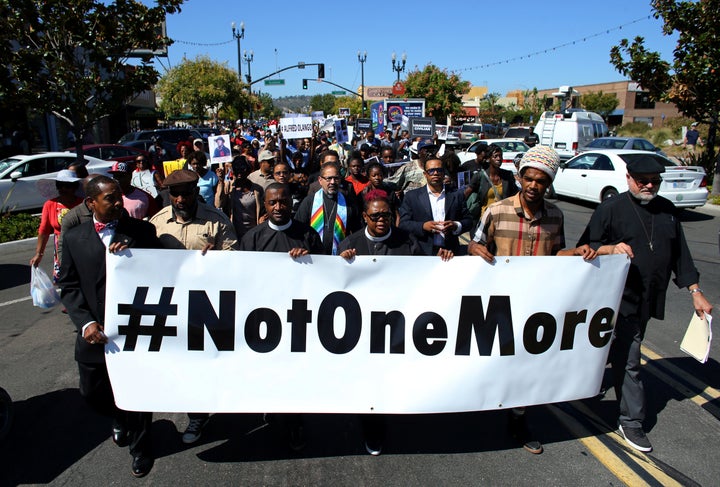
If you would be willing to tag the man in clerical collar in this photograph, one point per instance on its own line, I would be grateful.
(281, 233)
(328, 211)
(646, 228)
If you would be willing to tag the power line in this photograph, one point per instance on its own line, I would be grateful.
(203, 44)
(550, 49)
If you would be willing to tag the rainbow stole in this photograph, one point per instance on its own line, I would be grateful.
(317, 220)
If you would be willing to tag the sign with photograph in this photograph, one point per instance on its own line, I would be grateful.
(341, 131)
(219, 147)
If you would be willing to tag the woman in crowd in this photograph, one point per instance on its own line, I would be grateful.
(208, 182)
(380, 237)
(245, 198)
(62, 194)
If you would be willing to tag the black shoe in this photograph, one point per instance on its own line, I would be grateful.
(636, 438)
(141, 465)
(120, 436)
(521, 433)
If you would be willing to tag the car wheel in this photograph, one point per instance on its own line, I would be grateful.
(609, 193)
(6, 414)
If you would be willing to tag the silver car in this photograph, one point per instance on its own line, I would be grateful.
(19, 176)
(600, 174)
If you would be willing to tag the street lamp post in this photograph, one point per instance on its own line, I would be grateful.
(362, 57)
(397, 66)
(249, 59)
(237, 35)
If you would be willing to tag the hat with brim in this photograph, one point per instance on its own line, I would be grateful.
(181, 176)
(47, 188)
(425, 143)
(644, 165)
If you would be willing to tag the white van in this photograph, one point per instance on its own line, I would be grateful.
(569, 131)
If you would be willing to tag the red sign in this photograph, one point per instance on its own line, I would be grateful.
(398, 88)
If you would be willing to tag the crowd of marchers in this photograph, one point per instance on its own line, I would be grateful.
(379, 194)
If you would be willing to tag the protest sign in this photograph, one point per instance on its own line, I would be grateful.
(422, 127)
(296, 127)
(341, 131)
(344, 112)
(339, 341)
(441, 131)
(318, 116)
(219, 146)
(364, 124)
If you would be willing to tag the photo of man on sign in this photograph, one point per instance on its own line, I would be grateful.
(221, 149)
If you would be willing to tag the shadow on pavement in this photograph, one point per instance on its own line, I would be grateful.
(13, 275)
(50, 433)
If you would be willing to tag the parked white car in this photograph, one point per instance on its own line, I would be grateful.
(600, 174)
(19, 175)
(510, 148)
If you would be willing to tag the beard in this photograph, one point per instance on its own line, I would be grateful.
(643, 197)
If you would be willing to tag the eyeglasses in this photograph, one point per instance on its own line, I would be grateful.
(381, 215)
(646, 181)
(330, 179)
(435, 170)
(140, 160)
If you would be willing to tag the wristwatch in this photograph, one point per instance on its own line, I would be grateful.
(696, 290)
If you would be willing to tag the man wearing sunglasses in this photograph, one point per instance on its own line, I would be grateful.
(644, 226)
(435, 214)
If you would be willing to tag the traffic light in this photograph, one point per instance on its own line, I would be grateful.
(304, 84)
(321, 70)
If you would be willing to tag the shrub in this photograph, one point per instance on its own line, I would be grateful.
(18, 226)
(636, 129)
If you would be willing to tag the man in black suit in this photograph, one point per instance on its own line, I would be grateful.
(82, 283)
(434, 214)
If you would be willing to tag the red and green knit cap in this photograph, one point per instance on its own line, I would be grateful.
(543, 158)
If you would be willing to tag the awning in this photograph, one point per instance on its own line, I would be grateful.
(617, 112)
(471, 111)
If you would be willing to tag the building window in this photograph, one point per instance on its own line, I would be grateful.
(643, 100)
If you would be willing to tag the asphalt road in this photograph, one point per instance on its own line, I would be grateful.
(56, 440)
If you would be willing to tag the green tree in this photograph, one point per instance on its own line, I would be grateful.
(442, 91)
(690, 81)
(323, 103)
(265, 107)
(70, 58)
(601, 103)
(201, 85)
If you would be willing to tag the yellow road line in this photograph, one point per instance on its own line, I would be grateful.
(604, 455)
(708, 391)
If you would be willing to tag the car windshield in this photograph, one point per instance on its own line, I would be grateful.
(662, 160)
(6, 164)
(513, 146)
(607, 143)
(471, 128)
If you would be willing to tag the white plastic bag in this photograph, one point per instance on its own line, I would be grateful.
(42, 290)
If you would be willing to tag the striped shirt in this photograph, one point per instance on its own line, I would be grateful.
(506, 230)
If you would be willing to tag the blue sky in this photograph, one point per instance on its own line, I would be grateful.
(458, 36)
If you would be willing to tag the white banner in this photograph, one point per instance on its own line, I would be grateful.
(296, 127)
(261, 332)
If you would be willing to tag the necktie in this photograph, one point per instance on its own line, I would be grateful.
(99, 227)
